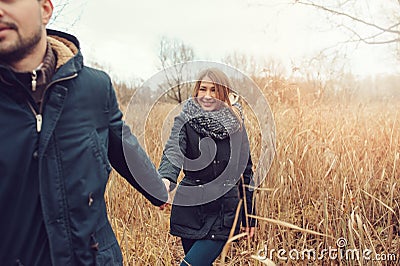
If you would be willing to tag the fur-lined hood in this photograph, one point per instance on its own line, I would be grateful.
(67, 50)
(63, 49)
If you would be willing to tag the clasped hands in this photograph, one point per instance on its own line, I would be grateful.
(167, 184)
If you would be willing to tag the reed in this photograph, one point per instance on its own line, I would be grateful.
(335, 176)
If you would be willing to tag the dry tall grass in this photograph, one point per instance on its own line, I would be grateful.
(336, 172)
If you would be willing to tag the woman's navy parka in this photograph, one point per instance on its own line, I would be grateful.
(207, 197)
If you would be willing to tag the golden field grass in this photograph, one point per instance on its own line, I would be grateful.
(336, 173)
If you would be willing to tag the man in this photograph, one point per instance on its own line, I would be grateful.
(60, 130)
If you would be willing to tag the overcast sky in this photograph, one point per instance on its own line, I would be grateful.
(124, 35)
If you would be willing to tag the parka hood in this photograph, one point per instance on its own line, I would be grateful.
(63, 48)
(67, 50)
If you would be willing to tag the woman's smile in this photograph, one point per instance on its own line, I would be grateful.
(206, 95)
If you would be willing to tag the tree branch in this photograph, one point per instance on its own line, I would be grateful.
(339, 13)
(366, 39)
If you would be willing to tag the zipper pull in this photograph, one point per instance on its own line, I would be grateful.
(34, 77)
(39, 121)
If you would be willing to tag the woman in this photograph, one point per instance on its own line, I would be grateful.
(209, 141)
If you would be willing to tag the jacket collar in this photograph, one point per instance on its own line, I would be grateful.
(65, 47)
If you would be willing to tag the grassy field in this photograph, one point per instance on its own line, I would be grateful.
(336, 173)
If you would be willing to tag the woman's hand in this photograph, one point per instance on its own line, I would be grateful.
(250, 231)
(166, 183)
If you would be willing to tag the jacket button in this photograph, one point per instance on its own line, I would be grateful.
(213, 236)
(35, 155)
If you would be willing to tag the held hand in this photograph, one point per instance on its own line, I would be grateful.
(162, 207)
(250, 231)
(166, 183)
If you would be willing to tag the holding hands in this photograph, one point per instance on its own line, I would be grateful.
(167, 184)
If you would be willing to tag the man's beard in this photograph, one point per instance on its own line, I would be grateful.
(21, 48)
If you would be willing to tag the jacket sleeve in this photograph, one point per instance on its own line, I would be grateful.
(245, 158)
(130, 160)
(174, 153)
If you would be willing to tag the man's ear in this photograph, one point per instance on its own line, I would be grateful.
(47, 11)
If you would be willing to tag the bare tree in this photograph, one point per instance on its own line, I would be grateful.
(243, 62)
(370, 22)
(67, 13)
(124, 91)
(367, 22)
(174, 54)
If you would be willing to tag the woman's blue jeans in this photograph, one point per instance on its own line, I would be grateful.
(201, 252)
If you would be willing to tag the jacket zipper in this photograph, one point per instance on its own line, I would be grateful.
(34, 80)
(39, 118)
(38, 115)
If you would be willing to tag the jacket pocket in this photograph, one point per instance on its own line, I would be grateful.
(99, 151)
(105, 246)
(110, 256)
(230, 202)
(228, 220)
(187, 216)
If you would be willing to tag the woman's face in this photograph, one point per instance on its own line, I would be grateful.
(206, 96)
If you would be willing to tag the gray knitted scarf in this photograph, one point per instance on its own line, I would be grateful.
(218, 124)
